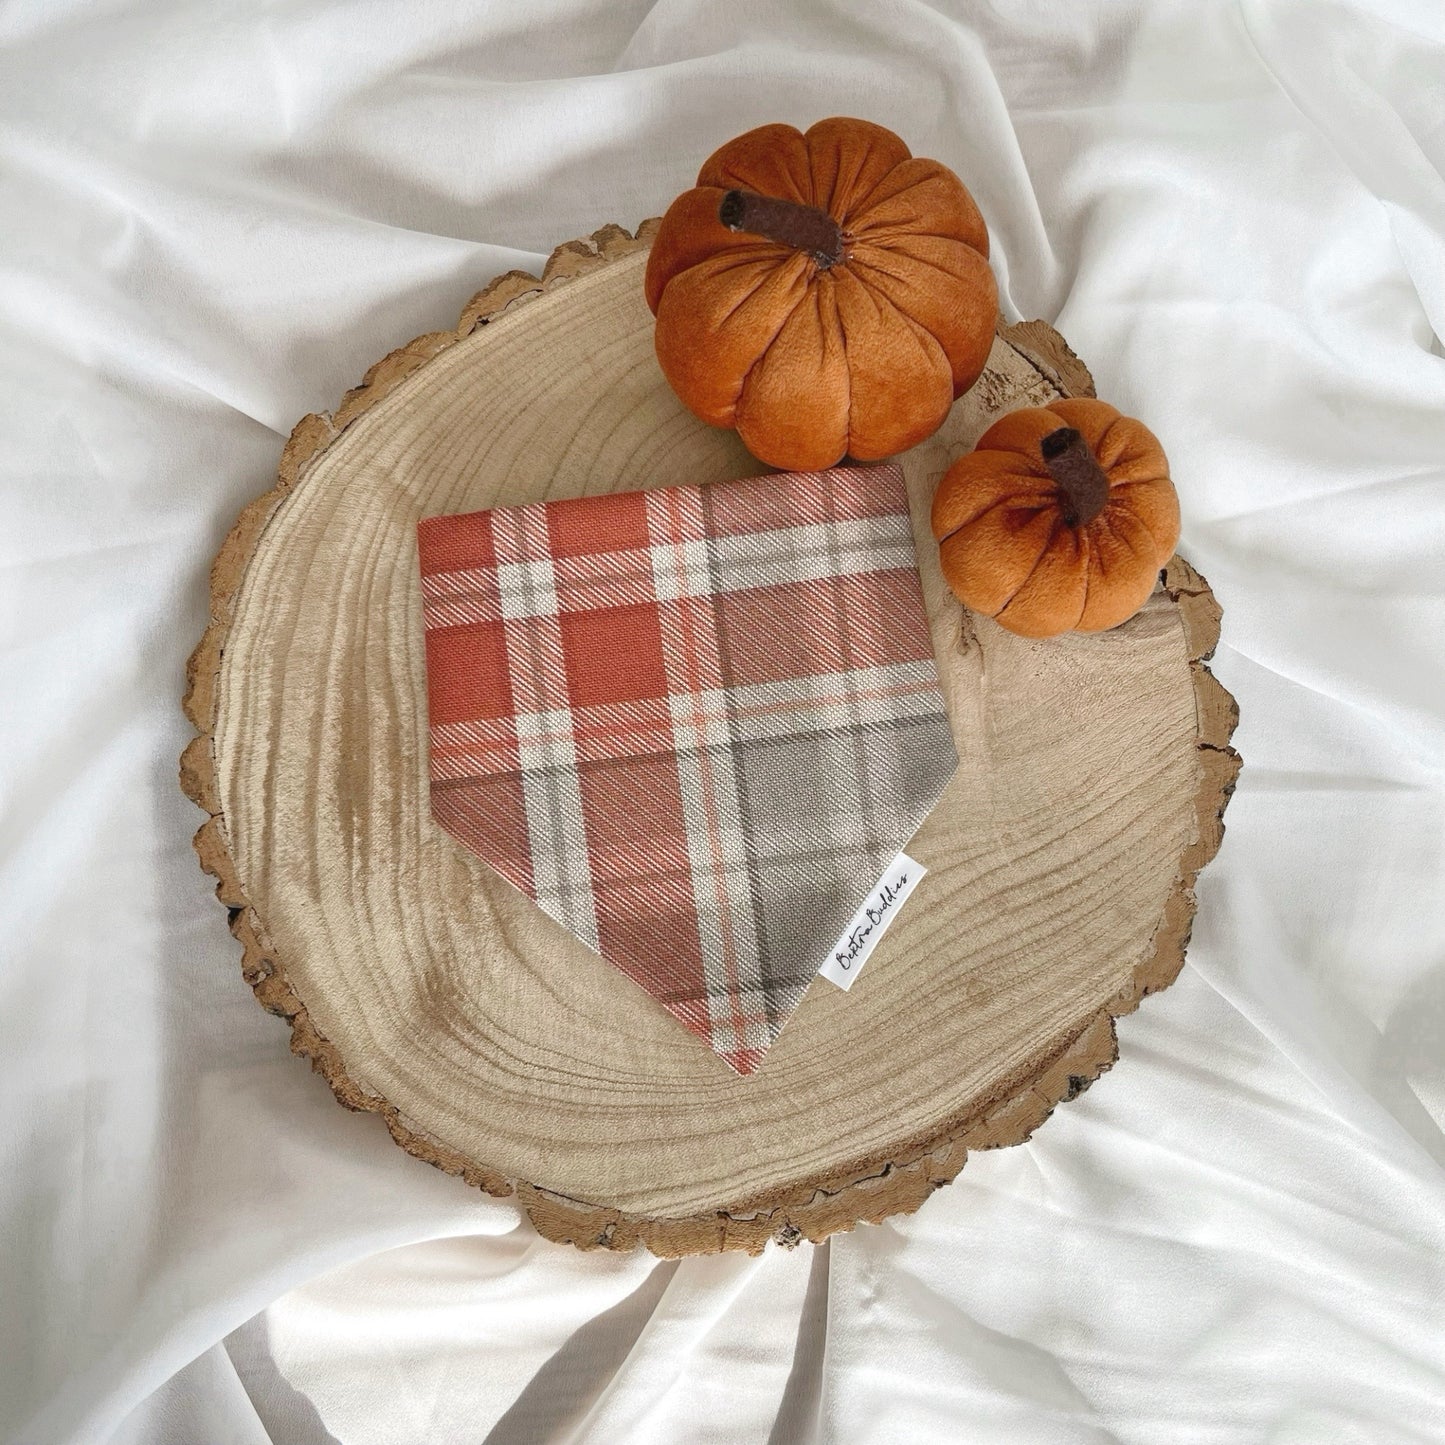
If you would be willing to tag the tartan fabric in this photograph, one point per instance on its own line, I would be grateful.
(693, 724)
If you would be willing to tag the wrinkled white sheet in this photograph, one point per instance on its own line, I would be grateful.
(213, 217)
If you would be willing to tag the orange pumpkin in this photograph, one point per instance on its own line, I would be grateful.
(824, 293)
(1060, 518)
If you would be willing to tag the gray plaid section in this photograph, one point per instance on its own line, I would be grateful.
(824, 793)
(816, 847)
(815, 818)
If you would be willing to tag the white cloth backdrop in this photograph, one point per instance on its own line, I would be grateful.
(214, 216)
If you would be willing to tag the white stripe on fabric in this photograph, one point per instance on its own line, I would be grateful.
(551, 789)
(712, 815)
(812, 553)
(680, 569)
(526, 589)
(668, 570)
(882, 695)
(878, 697)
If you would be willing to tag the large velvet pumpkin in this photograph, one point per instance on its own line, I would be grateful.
(825, 293)
(1059, 519)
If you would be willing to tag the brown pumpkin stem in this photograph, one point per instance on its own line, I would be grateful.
(1083, 487)
(790, 223)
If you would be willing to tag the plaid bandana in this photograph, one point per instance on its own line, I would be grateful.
(693, 724)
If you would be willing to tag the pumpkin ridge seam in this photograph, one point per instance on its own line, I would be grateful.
(1033, 567)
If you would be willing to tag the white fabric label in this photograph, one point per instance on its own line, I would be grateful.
(868, 925)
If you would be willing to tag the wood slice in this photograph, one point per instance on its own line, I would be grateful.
(1094, 772)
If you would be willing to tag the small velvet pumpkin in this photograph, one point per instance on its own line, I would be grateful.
(825, 293)
(1060, 519)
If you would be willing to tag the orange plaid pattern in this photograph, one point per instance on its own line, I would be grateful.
(693, 724)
